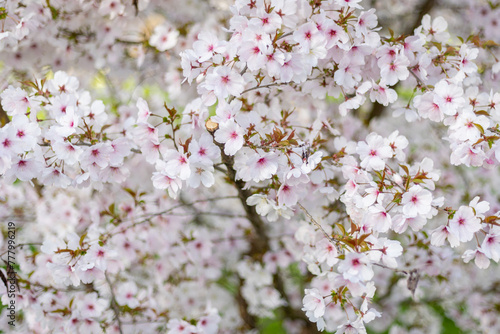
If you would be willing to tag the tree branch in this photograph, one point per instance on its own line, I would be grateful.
(114, 304)
(259, 243)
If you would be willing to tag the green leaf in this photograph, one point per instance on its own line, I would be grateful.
(480, 128)
(3, 13)
(405, 168)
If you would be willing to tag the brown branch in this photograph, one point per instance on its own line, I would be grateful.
(259, 243)
(425, 8)
(114, 304)
(250, 320)
(288, 309)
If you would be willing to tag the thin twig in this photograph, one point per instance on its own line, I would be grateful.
(263, 86)
(334, 241)
(393, 269)
(419, 80)
(114, 304)
(147, 218)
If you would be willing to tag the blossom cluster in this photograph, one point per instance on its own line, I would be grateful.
(207, 166)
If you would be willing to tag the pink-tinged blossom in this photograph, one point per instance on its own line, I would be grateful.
(314, 303)
(63, 83)
(348, 74)
(113, 8)
(224, 82)
(481, 260)
(97, 155)
(293, 69)
(98, 256)
(164, 38)
(191, 69)
(386, 251)
(143, 114)
(121, 148)
(91, 305)
(467, 55)
(209, 323)
(386, 54)
(24, 26)
(267, 22)
(416, 201)
(435, 29)
(427, 108)
(163, 179)
(448, 97)
(177, 164)
(383, 94)
(259, 167)
(464, 224)
(351, 103)
(274, 61)
(225, 112)
(400, 223)
(201, 174)
(491, 244)
(200, 249)
(398, 143)
(261, 203)
(64, 274)
(349, 3)
(25, 132)
(114, 174)
(204, 150)
(23, 169)
(15, 101)
(326, 252)
(373, 152)
(279, 211)
(288, 194)
(356, 268)
(54, 177)
(377, 218)
(176, 326)
(252, 52)
(151, 151)
(207, 45)
(306, 34)
(63, 105)
(96, 116)
(126, 294)
(351, 327)
(311, 162)
(367, 21)
(466, 154)
(479, 207)
(231, 135)
(426, 167)
(333, 33)
(395, 71)
(467, 126)
(372, 195)
(9, 144)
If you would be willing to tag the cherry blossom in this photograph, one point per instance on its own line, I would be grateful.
(231, 135)
(373, 152)
(464, 224)
(417, 201)
(234, 167)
